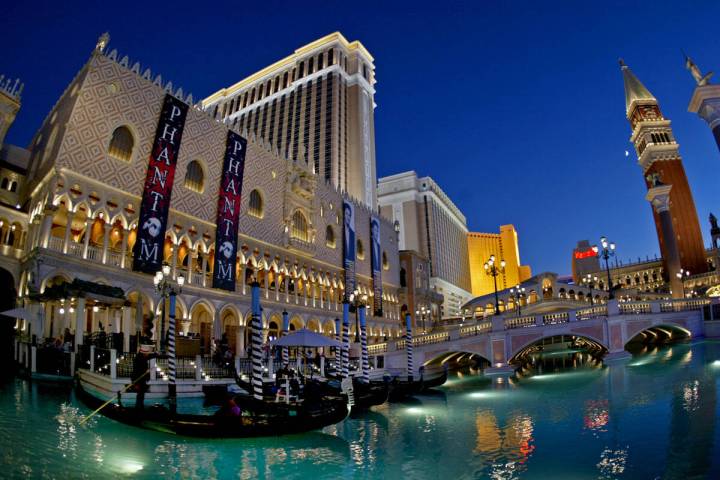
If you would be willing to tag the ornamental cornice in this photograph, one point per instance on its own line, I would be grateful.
(645, 125)
(656, 152)
(702, 94)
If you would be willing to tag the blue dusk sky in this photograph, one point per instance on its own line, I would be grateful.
(515, 108)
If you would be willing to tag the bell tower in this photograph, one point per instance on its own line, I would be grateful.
(659, 157)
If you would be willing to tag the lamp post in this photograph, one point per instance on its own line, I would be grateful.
(517, 293)
(590, 280)
(680, 275)
(608, 250)
(357, 300)
(422, 312)
(493, 270)
(166, 287)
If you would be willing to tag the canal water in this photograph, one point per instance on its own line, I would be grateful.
(563, 416)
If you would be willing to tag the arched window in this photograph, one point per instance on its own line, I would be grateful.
(299, 226)
(194, 177)
(4, 184)
(121, 144)
(256, 204)
(330, 237)
(385, 263)
(360, 250)
(13, 186)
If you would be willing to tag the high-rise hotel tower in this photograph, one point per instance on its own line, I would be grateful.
(314, 107)
(668, 189)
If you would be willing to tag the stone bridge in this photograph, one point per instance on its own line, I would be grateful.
(502, 339)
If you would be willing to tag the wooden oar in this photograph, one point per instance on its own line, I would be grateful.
(82, 422)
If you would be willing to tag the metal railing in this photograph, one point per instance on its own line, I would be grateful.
(52, 361)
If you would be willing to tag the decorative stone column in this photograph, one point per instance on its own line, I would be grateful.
(79, 321)
(123, 257)
(204, 270)
(127, 327)
(106, 241)
(705, 100)
(192, 255)
(88, 228)
(174, 259)
(47, 227)
(659, 198)
(68, 230)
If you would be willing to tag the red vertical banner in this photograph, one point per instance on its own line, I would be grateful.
(155, 204)
(228, 212)
(376, 265)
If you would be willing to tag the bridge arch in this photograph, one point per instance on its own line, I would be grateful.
(588, 342)
(459, 357)
(664, 332)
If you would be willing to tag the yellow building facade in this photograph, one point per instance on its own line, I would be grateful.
(504, 246)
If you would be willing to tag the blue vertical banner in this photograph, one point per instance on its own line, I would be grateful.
(228, 212)
(155, 203)
(349, 247)
(376, 264)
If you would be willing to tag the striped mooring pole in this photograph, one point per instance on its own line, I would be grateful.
(363, 344)
(172, 368)
(409, 346)
(285, 328)
(345, 354)
(338, 355)
(257, 354)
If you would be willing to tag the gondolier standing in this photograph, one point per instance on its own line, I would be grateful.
(141, 373)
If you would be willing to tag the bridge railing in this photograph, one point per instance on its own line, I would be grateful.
(636, 308)
(556, 318)
(684, 305)
(504, 322)
(592, 312)
(520, 322)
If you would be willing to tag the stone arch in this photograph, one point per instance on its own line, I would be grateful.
(50, 278)
(296, 322)
(313, 325)
(519, 351)
(328, 327)
(663, 332)
(455, 355)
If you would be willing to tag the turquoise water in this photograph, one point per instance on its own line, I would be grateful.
(566, 417)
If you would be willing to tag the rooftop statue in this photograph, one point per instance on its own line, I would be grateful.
(713, 223)
(700, 79)
(654, 180)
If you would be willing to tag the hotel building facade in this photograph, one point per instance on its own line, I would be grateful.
(78, 198)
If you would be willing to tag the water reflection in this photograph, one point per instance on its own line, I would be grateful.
(654, 417)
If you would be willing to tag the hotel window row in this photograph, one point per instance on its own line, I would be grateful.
(282, 81)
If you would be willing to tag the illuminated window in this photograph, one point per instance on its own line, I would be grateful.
(121, 144)
(360, 250)
(385, 263)
(194, 177)
(299, 226)
(330, 237)
(256, 204)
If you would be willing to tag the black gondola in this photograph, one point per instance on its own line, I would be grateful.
(259, 418)
(402, 388)
(365, 395)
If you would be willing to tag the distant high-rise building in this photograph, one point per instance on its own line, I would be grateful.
(662, 166)
(430, 224)
(315, 107)
(584, 260)
(504, 246)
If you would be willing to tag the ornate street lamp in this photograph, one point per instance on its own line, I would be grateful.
(608, 250)
(493, 270)
(680, 275)
(422, 312)
(590, 281)
(166, 287)
(357, 301)
(517, 293)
